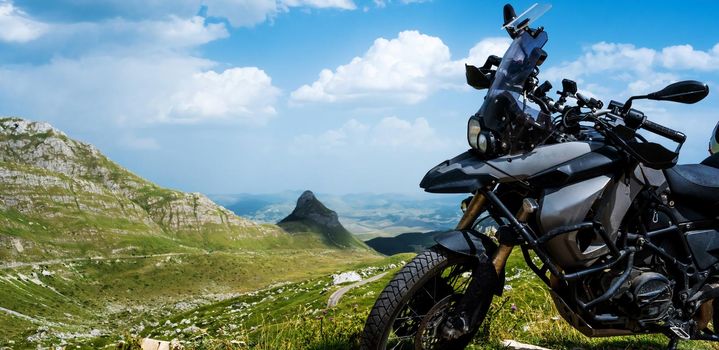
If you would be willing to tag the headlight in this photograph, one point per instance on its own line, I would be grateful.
(482, 143)
(473, 132)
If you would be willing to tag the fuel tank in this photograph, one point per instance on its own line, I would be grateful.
(468, 172)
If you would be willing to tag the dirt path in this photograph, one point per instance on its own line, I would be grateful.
(336, 296)
(14, 265)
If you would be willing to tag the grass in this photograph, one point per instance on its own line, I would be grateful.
(116, 296)
(294, 316)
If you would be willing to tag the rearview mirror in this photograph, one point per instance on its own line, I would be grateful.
(688, 91)
(475, 78)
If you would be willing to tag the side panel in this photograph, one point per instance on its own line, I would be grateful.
(569, 206)
(704, 245)
(468, 172)
(604, 200)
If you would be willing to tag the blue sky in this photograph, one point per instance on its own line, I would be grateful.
(340, 96)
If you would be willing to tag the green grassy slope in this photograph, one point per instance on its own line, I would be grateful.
(69, 302)
(62, 198)
(293, 316)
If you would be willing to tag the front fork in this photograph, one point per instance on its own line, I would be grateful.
(462, 323)
(476, 206)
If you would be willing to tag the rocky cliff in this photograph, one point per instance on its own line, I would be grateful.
(60, 196)
(310, 215)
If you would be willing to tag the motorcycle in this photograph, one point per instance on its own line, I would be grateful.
(626, 241)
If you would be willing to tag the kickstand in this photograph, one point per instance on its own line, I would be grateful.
(673, 343)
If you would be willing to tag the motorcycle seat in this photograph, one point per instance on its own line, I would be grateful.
(698, 184)
(712, 160)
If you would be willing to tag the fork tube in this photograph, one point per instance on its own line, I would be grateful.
(500, 258)
(475, 207)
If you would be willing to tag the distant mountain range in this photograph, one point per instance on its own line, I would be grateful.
(365, 215)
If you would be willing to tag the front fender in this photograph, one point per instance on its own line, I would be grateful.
(475, 244)
(468, 242)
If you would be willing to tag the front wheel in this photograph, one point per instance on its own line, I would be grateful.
(412, 308)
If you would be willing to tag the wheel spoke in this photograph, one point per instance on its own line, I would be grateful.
(417, 322)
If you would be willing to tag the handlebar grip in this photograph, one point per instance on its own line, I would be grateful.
(661, 130)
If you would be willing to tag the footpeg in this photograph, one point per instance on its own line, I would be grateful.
(680, 332)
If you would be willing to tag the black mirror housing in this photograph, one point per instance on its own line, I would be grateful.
(475, 77)
(688, 91)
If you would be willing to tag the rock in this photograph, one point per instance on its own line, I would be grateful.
(17, 243)
(512, 344)
(344, 277)
(152, 344)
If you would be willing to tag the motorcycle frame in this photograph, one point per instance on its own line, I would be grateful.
(693, 295)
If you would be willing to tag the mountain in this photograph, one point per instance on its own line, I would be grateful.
(60, 197)
(310, 215)
(367, 215)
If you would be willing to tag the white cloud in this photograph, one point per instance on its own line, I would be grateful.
(129, 37)
(17, 26)
(686, 57)
(136, 72)
(138, 90)
(247, 13)
(408, 68)
(628, 61)
(390, 133)
(399, 133)
(239, 94)
(240, 13)
(604, 57)
(339, 4)
(182, 32)
(483, 49)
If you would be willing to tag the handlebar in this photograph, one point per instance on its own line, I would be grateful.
(661, 130)
(646, 124)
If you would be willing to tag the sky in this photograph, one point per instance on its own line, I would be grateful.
(336, 96)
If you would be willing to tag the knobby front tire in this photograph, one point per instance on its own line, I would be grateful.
(433, 280)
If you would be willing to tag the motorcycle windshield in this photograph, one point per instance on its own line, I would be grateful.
(517, 64)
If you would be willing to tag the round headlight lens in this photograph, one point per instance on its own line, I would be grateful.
(482, 143)
(473, 131)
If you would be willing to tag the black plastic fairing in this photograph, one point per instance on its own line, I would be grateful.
(451, 176)
(468, 242)
(468, 171)
(704, 245)
(600, 162)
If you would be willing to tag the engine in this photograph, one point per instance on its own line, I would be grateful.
(651, 295)
(645, 299)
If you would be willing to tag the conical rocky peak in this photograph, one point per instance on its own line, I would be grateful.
(312, 217)
(310, 208)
